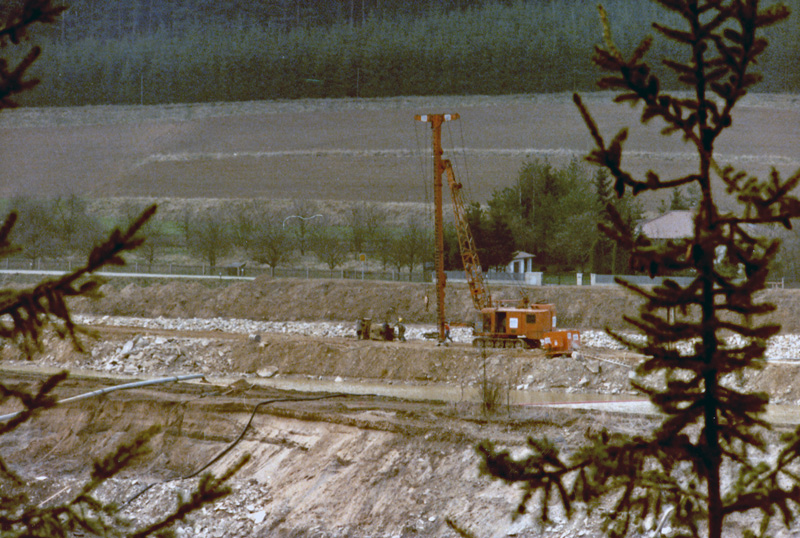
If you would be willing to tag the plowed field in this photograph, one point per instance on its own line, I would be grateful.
(347, 149)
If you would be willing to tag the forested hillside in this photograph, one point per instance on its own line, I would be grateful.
(148, 51)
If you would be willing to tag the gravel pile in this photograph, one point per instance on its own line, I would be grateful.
(785, 346)
(156, 354)
(246, 326)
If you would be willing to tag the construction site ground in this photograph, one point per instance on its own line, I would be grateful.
(332, 459)
(329, 456)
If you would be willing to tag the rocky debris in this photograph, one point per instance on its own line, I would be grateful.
(784, 346)
(242, 513)
(269, 371)
(328, 350)
(251, 510)
(253, 328)
(149, 354)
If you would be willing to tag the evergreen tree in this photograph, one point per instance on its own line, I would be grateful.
(707, 459)
(493, 236)
(608, 256)
(551, 213)
(17, 21)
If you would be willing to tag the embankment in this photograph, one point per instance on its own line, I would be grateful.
(585, 307)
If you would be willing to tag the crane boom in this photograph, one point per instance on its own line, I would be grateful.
(526, 325)
(479, 291)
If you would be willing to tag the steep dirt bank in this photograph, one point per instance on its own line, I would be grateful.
(344, 467)
(350, 466)
(582, 307)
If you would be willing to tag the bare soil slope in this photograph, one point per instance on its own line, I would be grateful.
(344, 149)
(581, 307)
(353, 466)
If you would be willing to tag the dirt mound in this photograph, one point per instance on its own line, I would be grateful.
(287, 299)
(297, 299)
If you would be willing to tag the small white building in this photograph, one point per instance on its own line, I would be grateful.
(522, 262)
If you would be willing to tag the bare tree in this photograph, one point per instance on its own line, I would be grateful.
(156, 237)
(243, 224)
(209, 237)
(74, 228)
(330, 248)
(365, 220)
(303, 221)
(37, 238)
(410, 247)
(272, 243)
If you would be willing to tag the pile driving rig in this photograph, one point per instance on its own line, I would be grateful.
(524, 324)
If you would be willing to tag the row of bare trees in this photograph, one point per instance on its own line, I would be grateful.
(304, 232)
(278, 238)
(59, 228)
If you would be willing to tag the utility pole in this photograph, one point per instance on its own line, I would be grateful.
(436, 121)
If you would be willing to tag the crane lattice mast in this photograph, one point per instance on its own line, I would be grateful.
(478, 287)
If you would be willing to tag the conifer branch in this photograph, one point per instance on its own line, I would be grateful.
(32, 310)
(710, 423)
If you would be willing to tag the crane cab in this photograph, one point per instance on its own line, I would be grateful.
(531, 326)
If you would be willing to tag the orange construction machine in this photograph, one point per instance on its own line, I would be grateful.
(524, 325)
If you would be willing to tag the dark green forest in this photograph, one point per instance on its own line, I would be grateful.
(167, 51)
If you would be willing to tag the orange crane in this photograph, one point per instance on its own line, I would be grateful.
(500, 325)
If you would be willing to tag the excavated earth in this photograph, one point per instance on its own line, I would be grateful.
(348, 437)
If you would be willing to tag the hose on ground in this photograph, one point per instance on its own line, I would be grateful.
(126, 386)
(232, 444)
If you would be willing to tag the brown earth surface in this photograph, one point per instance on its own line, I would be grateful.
(281, 299)
(348, 149)
(349, 465)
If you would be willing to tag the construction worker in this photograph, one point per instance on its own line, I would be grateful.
(401, 330)
(447, 332)
(388, 333)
